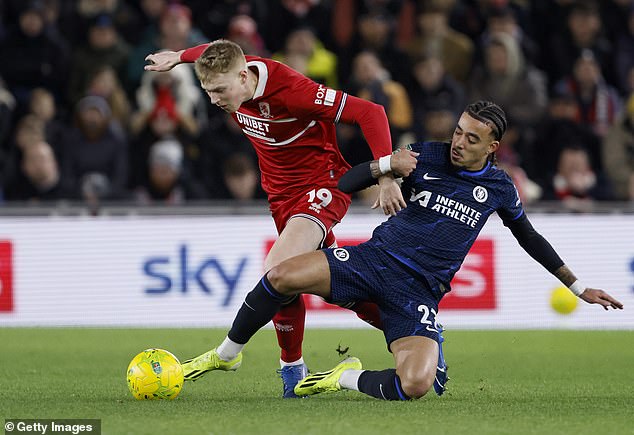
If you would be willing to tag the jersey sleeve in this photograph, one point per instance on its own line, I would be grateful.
(191, 54)
(510, 207)
(308, 99)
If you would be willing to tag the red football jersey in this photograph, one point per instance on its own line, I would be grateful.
(291, 123)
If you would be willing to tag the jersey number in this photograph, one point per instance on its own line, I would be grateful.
(323, 195)
(423, 197)
(430, 325)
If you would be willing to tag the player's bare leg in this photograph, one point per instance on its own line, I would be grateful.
(415, 359)
(301, 235)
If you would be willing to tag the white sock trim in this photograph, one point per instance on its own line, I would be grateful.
(299, 362)
(350, 379)
(229, 349)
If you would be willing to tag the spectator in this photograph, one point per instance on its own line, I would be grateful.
(125, 17)
(175, 33)
(151, 12)
(510, 81)
(29, 130)
(95, 158)
(170, 106)
(575, 182)
(582, 32)
(433, 89)
(321, 64)
(214, 22)
(221, 139)
(39, 178)
(104, 47)
(374, 84)
(285, 15)
(33, 56)
(168, 183)
(105, 83)
(241, 178)
(42, 105)
(439, 124)
(243, 30)
(598, 104)
(618, 154)
(169, 95)
(557, 130)
(436, 36)
(503, 19)
(375, 33)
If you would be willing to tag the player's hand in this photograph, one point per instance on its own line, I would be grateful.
(597, 296)
(403, 162)
(163, 60)
(390, 196)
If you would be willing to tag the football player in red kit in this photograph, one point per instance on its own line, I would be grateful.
(290, 120)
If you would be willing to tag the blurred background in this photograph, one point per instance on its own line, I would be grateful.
(86, 133)
(82, 122)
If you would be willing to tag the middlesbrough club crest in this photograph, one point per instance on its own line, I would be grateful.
(265, 110)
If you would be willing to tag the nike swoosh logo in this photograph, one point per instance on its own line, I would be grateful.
(428, 177)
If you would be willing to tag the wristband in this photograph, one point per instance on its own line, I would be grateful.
(385, 164)
(577, 288)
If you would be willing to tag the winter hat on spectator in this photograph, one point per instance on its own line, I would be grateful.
(95, 102)
(35, 6)
(178, 10)
(167, 152)
(102, 20)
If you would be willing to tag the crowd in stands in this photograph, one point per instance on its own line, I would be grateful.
(81, 120)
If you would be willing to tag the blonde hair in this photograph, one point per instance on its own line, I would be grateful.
(219, 57)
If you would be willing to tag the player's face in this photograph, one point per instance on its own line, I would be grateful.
(227, 90)
(471, 144)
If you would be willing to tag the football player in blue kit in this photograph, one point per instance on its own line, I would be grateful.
(407, 265)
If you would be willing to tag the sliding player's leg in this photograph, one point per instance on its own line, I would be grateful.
(408, 307)
(308, 273)
(413, 377)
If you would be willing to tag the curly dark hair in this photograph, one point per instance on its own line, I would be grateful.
(492, 115)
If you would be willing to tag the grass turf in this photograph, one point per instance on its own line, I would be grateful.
(503, 382)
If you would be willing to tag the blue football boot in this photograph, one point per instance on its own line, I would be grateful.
(291, 375)
(440, 383)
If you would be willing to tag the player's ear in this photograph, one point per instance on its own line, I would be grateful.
(493, 146)
(244, 75)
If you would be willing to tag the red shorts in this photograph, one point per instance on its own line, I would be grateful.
(323, 205)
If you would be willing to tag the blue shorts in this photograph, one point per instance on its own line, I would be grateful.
(408, 302)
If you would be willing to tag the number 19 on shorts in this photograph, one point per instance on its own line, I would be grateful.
(319, 198)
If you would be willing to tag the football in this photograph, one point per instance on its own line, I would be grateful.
(155, 374)
(563, 300)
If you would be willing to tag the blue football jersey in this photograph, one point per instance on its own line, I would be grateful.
(446, 210)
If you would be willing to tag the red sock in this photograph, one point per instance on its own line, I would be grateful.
(369, 313)
(289, 326)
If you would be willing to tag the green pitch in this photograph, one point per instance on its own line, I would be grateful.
(502, 382)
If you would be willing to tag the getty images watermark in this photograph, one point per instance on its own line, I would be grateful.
(52, 426)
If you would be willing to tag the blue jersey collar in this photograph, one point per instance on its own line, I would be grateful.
(475, 173)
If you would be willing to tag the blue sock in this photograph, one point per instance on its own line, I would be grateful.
(257, 310)
(384, 385)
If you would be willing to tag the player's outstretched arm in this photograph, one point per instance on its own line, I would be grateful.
(163, 60)
(542, 251)
(598, 296)
(166, 60)
(590, 295)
